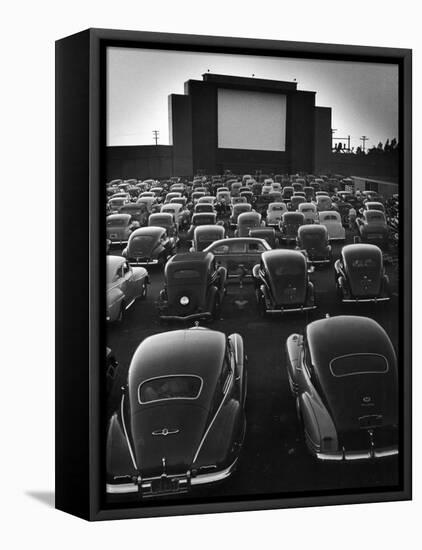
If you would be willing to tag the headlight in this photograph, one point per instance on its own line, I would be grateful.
(184, 300)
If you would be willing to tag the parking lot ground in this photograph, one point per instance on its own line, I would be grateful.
(274, 459)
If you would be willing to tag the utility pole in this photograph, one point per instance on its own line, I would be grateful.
(156, 135)
(363, 139)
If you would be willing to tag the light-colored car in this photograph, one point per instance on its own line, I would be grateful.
(119, 227)
(275, 212)
(332, 221)
(309, 210)
(323, 203)
(125, 284)
(179, 213)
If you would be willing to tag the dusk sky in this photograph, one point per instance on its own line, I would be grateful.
(363, 96)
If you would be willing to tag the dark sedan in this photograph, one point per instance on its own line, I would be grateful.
(360, 274)
(343, 375)
(181, 419)
(282, 282)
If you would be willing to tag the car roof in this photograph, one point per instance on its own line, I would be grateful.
(150, 230)
(209, 229)
(314, 228)
(293, 216)
(119, 217)
(272, 258)
(343, 335)
(361, 250)
(195, 351)
(330, 214)
(237, 240)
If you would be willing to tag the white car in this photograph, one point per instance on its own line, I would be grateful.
(323, 203)
(309, 210)
(332, 221)
(275, 212)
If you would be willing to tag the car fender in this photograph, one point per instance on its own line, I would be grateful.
(240, 360)
(223, 438)
(115, 297)
(139, 273)
(320, 431)
(118, 458)
(293, 360)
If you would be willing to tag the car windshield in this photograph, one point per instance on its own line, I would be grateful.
(117, 222)
(170, 387)
(143, 240)
(358, 363)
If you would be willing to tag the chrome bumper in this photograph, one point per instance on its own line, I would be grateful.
(191, 317)
(201, 479)
(347, 456)
(365, 300)
(143, 262)
(291, 310)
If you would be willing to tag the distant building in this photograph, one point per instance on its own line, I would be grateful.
(241, 124)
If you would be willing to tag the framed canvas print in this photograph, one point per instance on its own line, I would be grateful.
(233, 274)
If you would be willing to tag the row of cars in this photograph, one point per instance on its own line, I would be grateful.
(195, 282)
(180, 420)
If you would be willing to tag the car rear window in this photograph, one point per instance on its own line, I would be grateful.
(358, 363)
(170, 387)
(186, 274)
(116, 222)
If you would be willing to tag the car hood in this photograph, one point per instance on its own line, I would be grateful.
(151, 446)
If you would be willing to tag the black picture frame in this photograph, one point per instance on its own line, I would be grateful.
(80, 142)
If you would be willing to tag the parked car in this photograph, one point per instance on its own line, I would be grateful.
(173, 431)
(125, 284)
(266, 233)
(309, 193)
(137, 211)
(149, 201)
(238, 209)
(181, 215)
(172, 195)
(119, 227)
(289, 225)
(287, 193)
(166, 220)
(194, 287)
(360, 274)
(312, 239)
(274, 213)
(247, 221)
(282, 283)
(206, 218)
(333, 223)
(115, 204)
(295, 201)
(238, 254)
(323, 203)
(204, 235)
(201, 208)
(373, 227)
(149, 245)
(309, 211)
(343, 375)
